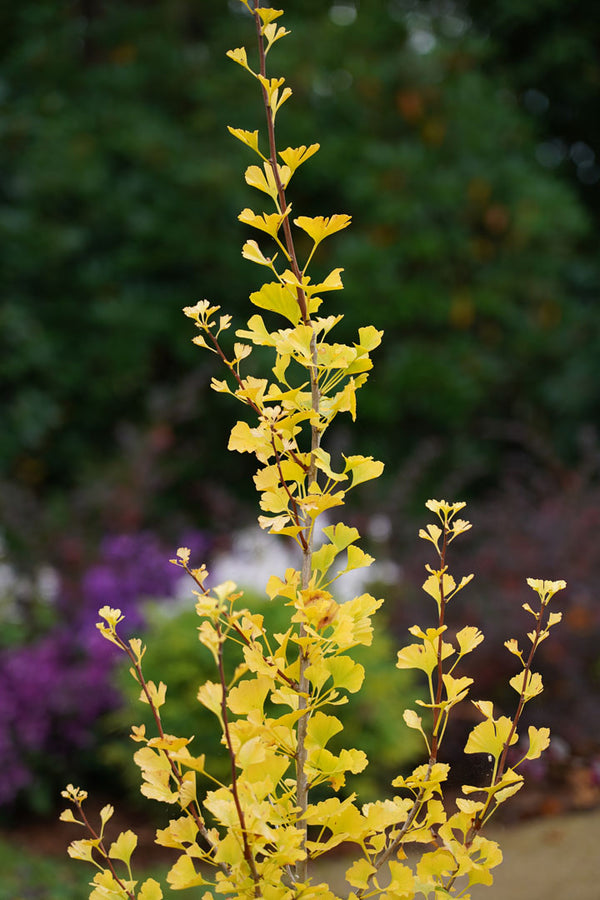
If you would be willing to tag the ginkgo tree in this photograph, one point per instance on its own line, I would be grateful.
(257, 834)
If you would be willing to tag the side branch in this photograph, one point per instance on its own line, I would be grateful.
(234, 783)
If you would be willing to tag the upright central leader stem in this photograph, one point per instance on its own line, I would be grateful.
(301, 869)
(301, 775)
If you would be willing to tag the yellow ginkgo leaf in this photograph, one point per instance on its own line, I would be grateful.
(123, 847)
(529, 684)
(248, 695)
(268, 15)
(262, 180)
(271, 32)
(295, 156)
(359, 873)
(82, 849)
(277, 298)
(320, 227)
(240, 57)
(183, 874)
(106, 813)
(155, 695)
(491, 736)
(250, 138)
(362, 468)
(210, 695)
(402, 884)
(252, 251)
(267, 222)
(412, 719)
(150, 890)
(417, 656)
(67, 816)
(539, 740)
(468, 638)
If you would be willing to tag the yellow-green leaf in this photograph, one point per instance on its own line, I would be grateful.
(323, 558)
(82, 849)
(456, 688)
(183, 874)
(346, 673)
(106, 813)
(319, 227)
(359, 873)
(490, 736)
(268, 15)
(250, 138)
(468, 638)
(417, 656)
(369, 338)
(210, 695)
(333, 282)
(358, 559)
(341, 536)
(529, 688)
(320, 729)
(150, 890)
(295, 156)
(156, 694)
(123, 847)
(248, 695)
(239, 56)
(402, 883)
(252, 252)
(278, 298)
(363, 468)
(539, 740)
(433, 865)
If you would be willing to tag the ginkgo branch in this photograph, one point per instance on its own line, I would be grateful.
(100, 846)
(192, 807)
(248, 856)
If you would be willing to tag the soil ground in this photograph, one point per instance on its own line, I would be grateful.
(553, 858)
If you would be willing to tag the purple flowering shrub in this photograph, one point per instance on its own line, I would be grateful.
(55, 688)
(52, 693)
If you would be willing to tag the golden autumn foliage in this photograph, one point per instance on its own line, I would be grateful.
(256, 834)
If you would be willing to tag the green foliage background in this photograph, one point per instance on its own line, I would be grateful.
(118, 202)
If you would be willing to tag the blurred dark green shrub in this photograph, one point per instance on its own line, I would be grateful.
(119, 180)
(175, 656)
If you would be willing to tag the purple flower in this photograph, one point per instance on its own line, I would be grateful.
(54, 690)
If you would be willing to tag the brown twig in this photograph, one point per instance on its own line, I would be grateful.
(442, 612)
(234, 784)
(301, 755)
(192, 808)
(481, 815)
(101, 847)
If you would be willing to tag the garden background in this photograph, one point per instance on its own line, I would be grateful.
(462, 138)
